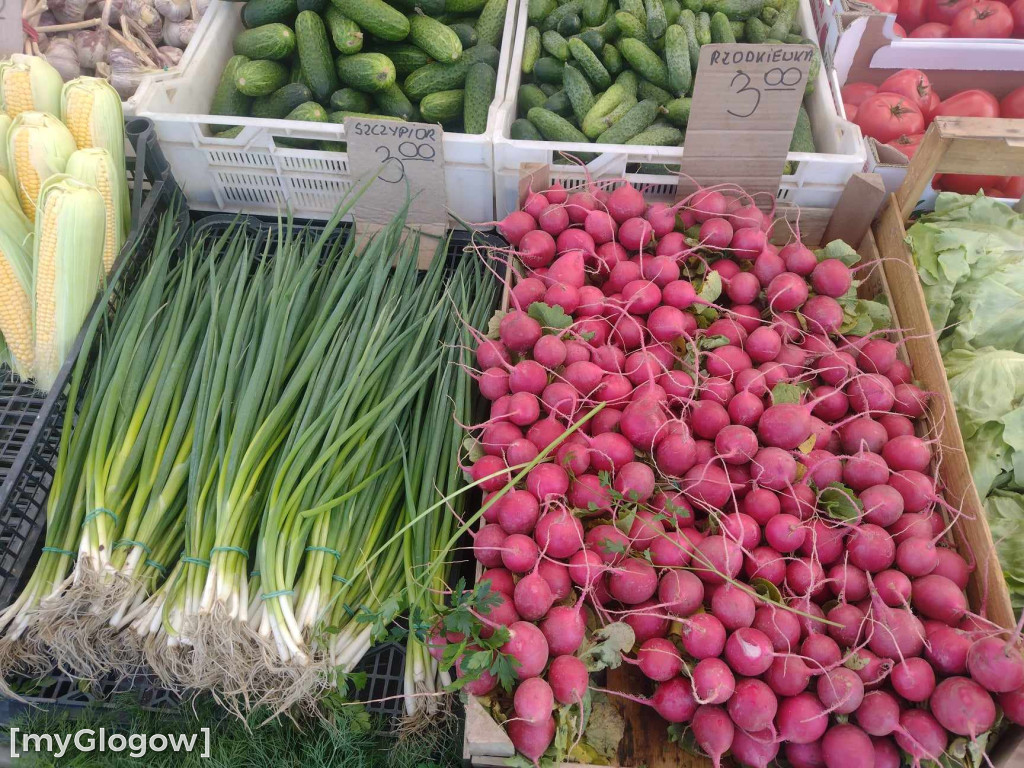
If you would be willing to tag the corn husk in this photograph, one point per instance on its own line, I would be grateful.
(96, 167)
(15, 283)
(43, 80)
(38, 147)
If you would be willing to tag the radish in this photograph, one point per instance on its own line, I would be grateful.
(732, 607)
(488, 545)
(547, 482)
(768, 266)
(608, 542)
(706, 203)
(518, 511)
(822, 653)
(713, 731)
(831, 278)
(878, 714)
(753, 705)
(647, 620)
(782, 627)
(531, 739)
(537, 249)
(995, 664)
(840, 690)
(936, 597)
(533, 701)
(659, 659)
(632, 581)
(557, 576)
(1012, 704)
(680, 592)
(849, 624)
(847, 746)
(805, 755)
(535, 203)
(801, 719)
(713, 681)
(788, 675)
(533, 597)
(579, 204)
(528, 646)
(703, 636)
(947, 650)
(883, 505)
(913, 679)
(673, 700)
(773, 468)
(625, 203)
(515, 226)
(519, 553)
(765, 563)
(564, 628)
(921, 735)
(952, 566)
(500, 578)
(786, 292)
(799, 258)
(753, 752)
(748, 652)
(586, 567)
(569, 679)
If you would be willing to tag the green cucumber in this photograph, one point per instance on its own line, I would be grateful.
(350, 100)
(549, 88)
(523, 130)
(672, 10)
(678, 111)
(648, 90)
(787, 15)
(738, 30)
(555, 128)
(656, 19)
(628, 80)
(677, 57)
(528, 97)
(556, 45)
(813, 70)
(611, 58)
(637, 119)
(549, 70)
(256, 13)
(310, 112)
(367, 72)
(645, 62)
(261, 77)
(282, 101)
(635, 7)
(317, 6)
(315, 55)
(569, 25)
(447, 77)
(703, 28)
(593, 124)
(464, 6)
(339, 116)
(803, 139)
(590, 65)
(406, 57)
(594, 12)
(695, 6)
(345, 33)
(658, 135)
(437, 39)
(531, 49)
(755, 30)
(721, 29)
(577, 88)
(538, 10)
(769, 15)
(630, 26)
(593, 38)
(736, 10)
(481, 82)
(271, 41)
(229, 133)
(376, 17)
(466, 33)
(393, 101)
(559, 104)
(553, 19)
(442, 106)
(433, 8)
(491, 24)
(688, 21)
(227, 99)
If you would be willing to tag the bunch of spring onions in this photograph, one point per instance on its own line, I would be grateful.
(264, 467)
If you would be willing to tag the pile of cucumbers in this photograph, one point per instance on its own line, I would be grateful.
(433, 61)
(622, 71)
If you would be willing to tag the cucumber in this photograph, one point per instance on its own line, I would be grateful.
(317, 6)
(678, 111)
(491, 23)
(650, 91)
(769, 15)
(630, 26)
(315, 55)
(227, 99)
(260, 78)
(524, 130)
(465, 32)
(803, 139)
(738, 30)
(367, 72)
(531, 49)
(554, 128)
(755, 30)
(528, 97)
(282, 101)
(339, 116)
(637, 119)
(442, 106)
(721, 29)
(549, 88)
(481, 52)
(657, 22)
(437, 39)
(538, 10)
(645, 62)
(628, 80)
(393, 101)
(695, 6)
(447, 77)
(736, 10)
(559, 104)
(376, 17)
(345, 33)
(787, 15)
(611, 58)
(635, 7)
(464, 6)
(256, 13)
(549, 70)
(310, 112)
(576, 87)
(672, 11)
(594, 12)
(569, 25)
(610, 29)
(481, 82)
(556, 45)
(229, 133)
(271, 41)
(593, 124)
(688, 21)
(813, 70)
(616, 114)
(433, 8)
(703, 28)
(406, 57)
(350, 100)
(590, 65)
(677, 58)
(658, 135)
(553, 19)
(593, 38)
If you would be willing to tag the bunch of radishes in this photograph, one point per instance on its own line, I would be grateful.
(751, 497)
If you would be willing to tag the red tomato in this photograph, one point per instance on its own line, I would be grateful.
(912, 13)
(963, 183)
(1012, 104)
(851, 111)
(1017, 9)
(912, 83)
(946, 10)
(1014, 186)
(986, 18)
(933, 104)
(933, 29)
(855, 93)
(973, 103)
(898, 30)
(907, 144)
(887, 116)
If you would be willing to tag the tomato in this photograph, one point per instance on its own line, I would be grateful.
(912, 83)
(855, 93)
(898, 30)
(912, 13)
(1014, 186)
(887, 116)
(933, 104)
(973, 103)
(946, 10)
(851, 111)
(1017, 9)
(963, 183)
(933, 29)
(1012, 104)
(993, 192)
(986, 18)
(907, 144)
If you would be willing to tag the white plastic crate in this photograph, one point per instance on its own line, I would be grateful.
(253, 173)
(818, 181)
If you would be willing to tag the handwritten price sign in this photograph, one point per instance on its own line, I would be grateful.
(404, 157)
(12, 37)
(745, 103)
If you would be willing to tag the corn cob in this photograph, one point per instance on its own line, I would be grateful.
(9, 196)
(97, 168)
(38, 146)
(29, 83)
(5, 127)
(16, 286)
(68, 268)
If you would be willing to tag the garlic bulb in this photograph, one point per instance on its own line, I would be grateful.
(171, 54)
(95, 10)
(201, 6)
(132, 8)
(91, 46)
(152, 22)
(61, 54)
(179, 33)
(102, 69)
(126, 80)
(69, 11)
(173, 10)
(120, 57)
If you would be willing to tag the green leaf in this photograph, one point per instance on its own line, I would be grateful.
(494, 324)
(837, 249)
(767, 590)
(712, 342)
(358, 680)
(807, 445)
(855, 662)
(711, 287)
(784, 392)
(549, 317)
(608, 644)
(840, 503)
(474, 450)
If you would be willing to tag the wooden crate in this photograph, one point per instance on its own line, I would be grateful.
(645, 741)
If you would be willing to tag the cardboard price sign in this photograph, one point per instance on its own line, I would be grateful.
(406, 158)
(12, 37)
(745, 103)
